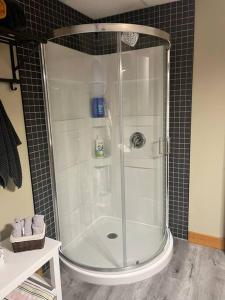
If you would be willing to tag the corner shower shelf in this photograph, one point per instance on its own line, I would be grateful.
(138, 80)
(100, 122)
(102, 162)
(97, 82)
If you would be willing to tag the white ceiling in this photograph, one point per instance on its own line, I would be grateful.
(96, 9)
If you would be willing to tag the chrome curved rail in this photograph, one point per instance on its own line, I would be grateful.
(109, 27)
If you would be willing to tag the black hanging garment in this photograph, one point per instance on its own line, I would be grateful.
(10, 166)
(12, 15)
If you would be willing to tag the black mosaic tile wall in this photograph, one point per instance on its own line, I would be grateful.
(177, 18)
(42, 15)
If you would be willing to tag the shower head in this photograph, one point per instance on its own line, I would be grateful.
(130, 38)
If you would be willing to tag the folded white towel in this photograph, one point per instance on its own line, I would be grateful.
(31, 290)
(2, 256)
(17, 229)
(27, 226)
(38, 220)
(37, 229)
(22, 222)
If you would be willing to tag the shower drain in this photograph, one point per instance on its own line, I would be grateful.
(112, 235)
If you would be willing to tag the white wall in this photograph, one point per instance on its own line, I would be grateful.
(207, 175)
(14, 202)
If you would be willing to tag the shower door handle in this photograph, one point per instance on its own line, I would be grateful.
(161, 146)
(167, 146)
(164, 146)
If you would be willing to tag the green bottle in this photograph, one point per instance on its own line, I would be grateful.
(99, 147)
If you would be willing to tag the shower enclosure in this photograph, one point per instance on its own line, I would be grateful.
(107, 90)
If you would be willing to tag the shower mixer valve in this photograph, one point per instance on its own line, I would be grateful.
(137, 140)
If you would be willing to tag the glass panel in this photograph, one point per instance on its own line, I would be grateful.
(108, 118)
(144, 129)
(84, 108)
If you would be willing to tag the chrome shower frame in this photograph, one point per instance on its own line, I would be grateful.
(95, 28)
(109, 27)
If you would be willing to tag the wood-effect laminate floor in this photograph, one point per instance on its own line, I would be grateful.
(194, 273)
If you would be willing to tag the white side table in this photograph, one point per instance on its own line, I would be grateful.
(20, 266)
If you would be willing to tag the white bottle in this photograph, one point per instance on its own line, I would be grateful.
(99, 147)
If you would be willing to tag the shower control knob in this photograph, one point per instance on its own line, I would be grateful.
(137, 140)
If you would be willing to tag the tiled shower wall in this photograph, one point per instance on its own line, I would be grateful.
(176, 18)
(42, 15)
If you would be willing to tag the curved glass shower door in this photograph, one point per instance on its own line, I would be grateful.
(144, 116)
(107, 113)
